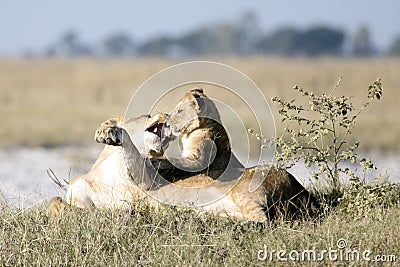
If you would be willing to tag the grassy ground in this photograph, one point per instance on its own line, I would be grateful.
(171, 237)
(62, 101)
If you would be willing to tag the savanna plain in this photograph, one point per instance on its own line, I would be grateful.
(57, 103)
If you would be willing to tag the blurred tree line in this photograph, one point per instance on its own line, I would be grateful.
(242, 36)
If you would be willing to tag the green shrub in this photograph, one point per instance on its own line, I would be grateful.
(359, 199)
(319, 133)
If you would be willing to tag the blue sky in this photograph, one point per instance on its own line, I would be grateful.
(32, 25)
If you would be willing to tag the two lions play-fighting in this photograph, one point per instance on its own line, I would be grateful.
(207, 175)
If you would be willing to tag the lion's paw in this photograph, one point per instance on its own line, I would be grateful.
(109, 135)
(118, 121)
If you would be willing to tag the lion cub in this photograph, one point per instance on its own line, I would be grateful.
(203, 140)
(206, 152)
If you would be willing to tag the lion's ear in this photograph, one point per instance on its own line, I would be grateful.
(197, 92)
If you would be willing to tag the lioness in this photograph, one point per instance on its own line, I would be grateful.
(109, 184)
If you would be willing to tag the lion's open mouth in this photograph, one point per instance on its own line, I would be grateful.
(160, 129)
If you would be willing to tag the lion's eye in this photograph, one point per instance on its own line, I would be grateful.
(177, 112)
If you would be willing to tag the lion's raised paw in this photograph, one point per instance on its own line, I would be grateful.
(110, 135)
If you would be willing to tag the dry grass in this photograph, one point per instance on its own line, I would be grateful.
(49, 102)
(172, 237)
(61, 101)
